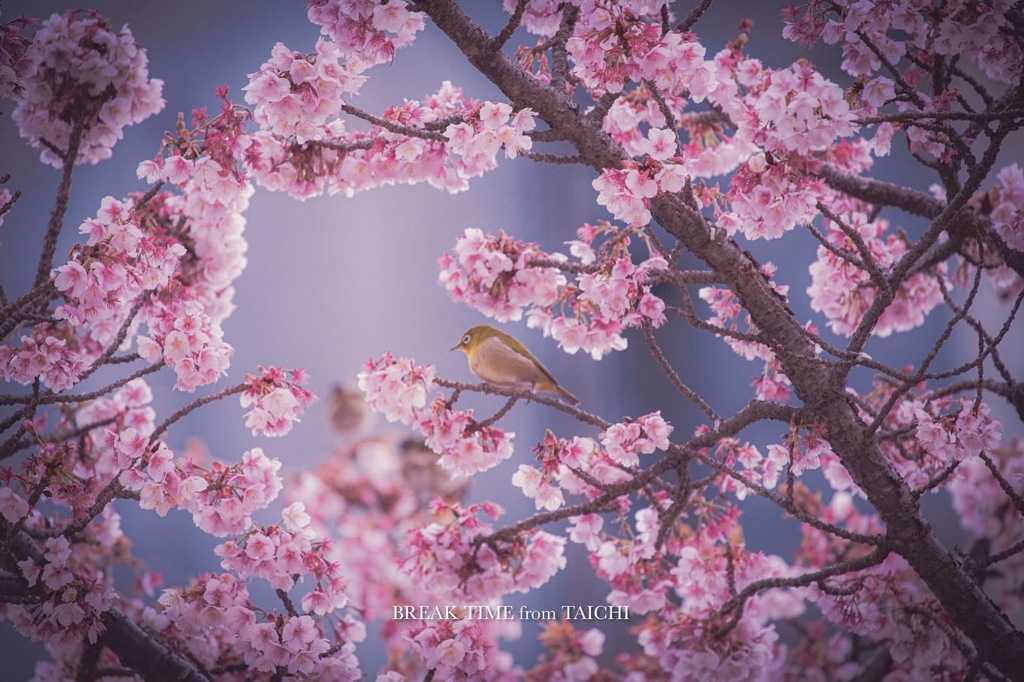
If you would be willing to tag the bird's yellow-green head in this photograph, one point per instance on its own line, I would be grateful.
(470, 341)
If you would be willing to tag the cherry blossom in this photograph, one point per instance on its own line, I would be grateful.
(843, 292)
(294, 95)
(277, 398)
(82, 83)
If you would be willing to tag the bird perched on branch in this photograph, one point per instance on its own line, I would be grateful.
(500, 359)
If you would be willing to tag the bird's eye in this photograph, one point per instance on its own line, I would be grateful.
(465, 339)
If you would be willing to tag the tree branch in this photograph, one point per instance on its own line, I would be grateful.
(60, 206)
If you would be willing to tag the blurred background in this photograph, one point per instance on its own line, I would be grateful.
(333, 281)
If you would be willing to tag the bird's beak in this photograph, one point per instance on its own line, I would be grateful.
(455, 347)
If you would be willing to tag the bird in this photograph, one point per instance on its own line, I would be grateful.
(500, 359)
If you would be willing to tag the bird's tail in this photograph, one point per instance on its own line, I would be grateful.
(565, 395)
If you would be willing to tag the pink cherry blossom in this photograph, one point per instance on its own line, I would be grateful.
(80, 62)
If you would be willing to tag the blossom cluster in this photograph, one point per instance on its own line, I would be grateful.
(961, 28)
(282, 552)
(478, 139)
(276, 399)
(766, 202)
(559, 473)
(398, 389)
(410, 143)
(367, 33)
(304, 148)
(76, 472)
(81, 78)
(130, 408)
(465, 447)
(221, 497)
(688, 578)
(119, 264)
(765, 199)
(69, 575)
(186, 338)
(682, 639)
(75, 590)
(45, 355)
(627, 193)
(889, 602)
(503, 278)
(13, 64)
(463, 649)
(957, 436)
(540, 17)
(1003, 204)
(800, 452)
(454, 555)
(786, 117)
(217, 621)
(627, 118)
(132, 255)
(843, 290)
(887, 599)
(626, 441)
(925, 435)
(213, 619)
(294, 95)
(494, 275)
(885, 38)
(184, 329)
(609, 47)
(794, 110)
(207, 166)
(581, 465)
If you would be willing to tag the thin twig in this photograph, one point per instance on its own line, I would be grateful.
(694, 16)
(673, 376)
(511, 26)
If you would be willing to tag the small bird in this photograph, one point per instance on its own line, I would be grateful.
(500, 360)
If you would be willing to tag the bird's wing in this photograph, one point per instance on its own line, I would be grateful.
(520, 348)
(496, 363)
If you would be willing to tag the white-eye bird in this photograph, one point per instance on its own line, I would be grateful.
(500, 359)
